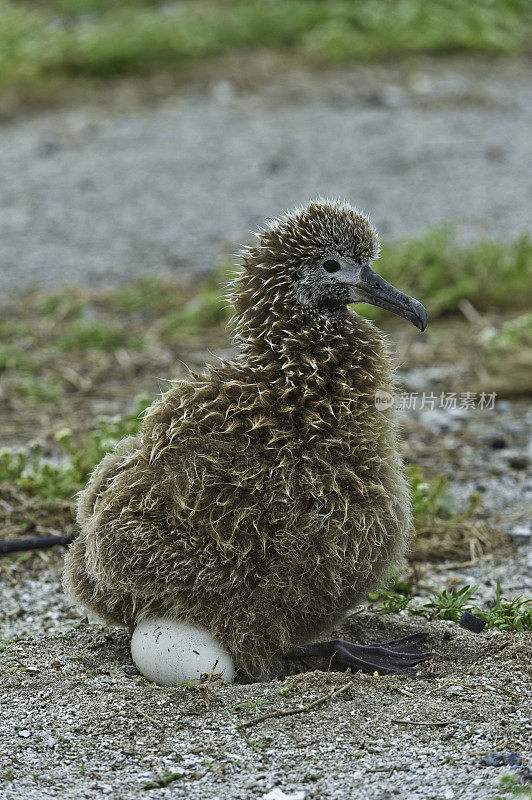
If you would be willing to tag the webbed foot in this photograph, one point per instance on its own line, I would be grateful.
(386, 658)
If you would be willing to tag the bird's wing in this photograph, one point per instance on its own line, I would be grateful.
(177, 521)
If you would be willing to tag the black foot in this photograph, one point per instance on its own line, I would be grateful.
(386, 658)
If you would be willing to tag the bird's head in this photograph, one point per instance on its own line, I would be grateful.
(321, 256)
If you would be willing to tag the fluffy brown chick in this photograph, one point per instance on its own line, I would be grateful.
(264, 498)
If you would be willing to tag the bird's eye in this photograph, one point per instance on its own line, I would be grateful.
(331, 265)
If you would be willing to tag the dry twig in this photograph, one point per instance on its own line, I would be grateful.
(252, 744)
(151, 719)
(422, 722)
(479, 687)
(290, 711)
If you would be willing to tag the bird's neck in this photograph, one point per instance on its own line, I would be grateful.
(314, 356)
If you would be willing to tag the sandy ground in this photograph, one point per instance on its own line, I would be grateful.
(80, 725)
(106, 194)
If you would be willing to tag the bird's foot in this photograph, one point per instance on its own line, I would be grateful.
(386, 658)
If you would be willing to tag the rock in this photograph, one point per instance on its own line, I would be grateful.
(223, 92)
(278, 794)
(454, 691)
(274, 165)
(471, 622)
(496, 759)
(48, 147)
(393, 96)
(24, 734)
(521, 534)
(524, 774)
(498, 443)
(516, 459)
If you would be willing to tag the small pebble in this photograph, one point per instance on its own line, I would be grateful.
(524, 773)
(393, 97)
(278, 794)
(454, 691)
(48, 147)
(24, 734)
(521, 534)
(499, 443)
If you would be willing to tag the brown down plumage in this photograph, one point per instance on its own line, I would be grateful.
(265, 497)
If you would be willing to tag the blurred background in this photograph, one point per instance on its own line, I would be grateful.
(142, 142)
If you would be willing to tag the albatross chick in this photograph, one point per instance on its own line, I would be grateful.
(264, 498)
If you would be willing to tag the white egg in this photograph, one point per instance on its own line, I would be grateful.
(169, 652)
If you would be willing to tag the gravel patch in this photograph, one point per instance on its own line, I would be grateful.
(487, 452)
(93, 195)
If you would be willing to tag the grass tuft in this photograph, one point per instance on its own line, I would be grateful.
(146, 294)
(165, 780)
(38, 390)
(511, 787)
(13, 359)
(514, 333)
(67, 474)
(431, 499)
(95, 335)
(507, 615)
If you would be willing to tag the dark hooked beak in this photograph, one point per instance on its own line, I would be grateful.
(368, 287)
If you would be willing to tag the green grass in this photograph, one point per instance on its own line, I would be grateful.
(95, 336)
(433, 268)
(252, 704)
(39, 390)
(59, 305)
(59, 39)
(147, 294)
(431, 499)
(165, 780)
(13, 358)
(514, 333)
(515, 614)
(77, 458)
(12, 330)
(207, 308)
(511, 787)
(37, 477)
